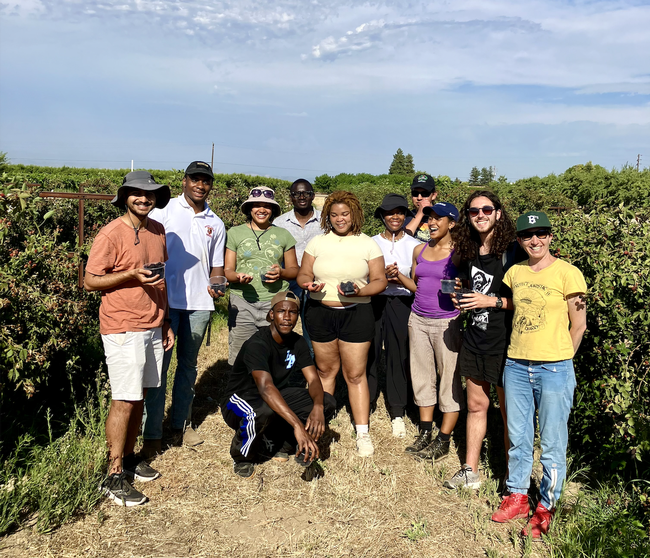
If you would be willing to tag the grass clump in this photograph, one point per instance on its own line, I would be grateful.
(601, 523)
(51, 483)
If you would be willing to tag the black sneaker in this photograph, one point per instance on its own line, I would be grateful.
(118, 489)
(244, 469)
(139, 469)
(436, 450)
(422, 440)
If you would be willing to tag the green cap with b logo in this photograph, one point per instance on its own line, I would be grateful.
(533, 220)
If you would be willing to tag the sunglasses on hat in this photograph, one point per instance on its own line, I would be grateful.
(257, 193)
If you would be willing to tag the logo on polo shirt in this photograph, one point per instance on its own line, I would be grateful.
(209, 230)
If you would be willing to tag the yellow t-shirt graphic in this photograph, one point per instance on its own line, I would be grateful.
(540, 326)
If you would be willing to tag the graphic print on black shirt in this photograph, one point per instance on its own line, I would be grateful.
(481, 283)
(262, 352)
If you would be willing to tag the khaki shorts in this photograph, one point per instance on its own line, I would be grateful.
(134, 361)
(434, 345)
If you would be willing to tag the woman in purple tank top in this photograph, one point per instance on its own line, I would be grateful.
(434, 334)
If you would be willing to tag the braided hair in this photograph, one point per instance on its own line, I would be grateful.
(349, 199)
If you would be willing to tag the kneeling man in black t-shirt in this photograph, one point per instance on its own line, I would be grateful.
(260, 406)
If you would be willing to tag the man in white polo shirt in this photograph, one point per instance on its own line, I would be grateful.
(195, 242)
(303, 222)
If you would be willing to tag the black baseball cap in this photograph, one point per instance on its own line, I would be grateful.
(393, 201)
(199, 167)
(424, 181)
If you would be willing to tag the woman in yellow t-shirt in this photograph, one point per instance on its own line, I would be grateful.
(549, 321)
(342, 269)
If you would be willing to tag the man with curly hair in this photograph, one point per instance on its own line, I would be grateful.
(487, 248)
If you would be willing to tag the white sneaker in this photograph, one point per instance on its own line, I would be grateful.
(364, 445)
(399, 428)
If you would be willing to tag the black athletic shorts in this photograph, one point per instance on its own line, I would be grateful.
(354, 324)
(484, 368)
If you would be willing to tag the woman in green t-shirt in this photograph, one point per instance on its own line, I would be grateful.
(260, 259)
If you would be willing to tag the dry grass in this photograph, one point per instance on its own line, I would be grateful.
(386, 506)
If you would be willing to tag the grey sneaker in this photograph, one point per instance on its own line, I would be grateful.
(191, 438)
(465, 477)
(139, 469)
(118, 489)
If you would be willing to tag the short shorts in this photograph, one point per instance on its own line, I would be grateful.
(134, 361)
(483, 368)
(352, 324)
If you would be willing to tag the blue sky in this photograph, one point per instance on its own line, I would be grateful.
(304, 87)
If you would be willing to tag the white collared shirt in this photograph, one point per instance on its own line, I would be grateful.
(302, 235)
(195, 244)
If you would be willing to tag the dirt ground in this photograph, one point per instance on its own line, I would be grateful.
(389, 505)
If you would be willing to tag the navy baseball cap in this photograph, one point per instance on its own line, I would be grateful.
(442, 209)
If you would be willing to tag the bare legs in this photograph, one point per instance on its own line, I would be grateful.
(122, 428)
(352, 358)
(478, 403)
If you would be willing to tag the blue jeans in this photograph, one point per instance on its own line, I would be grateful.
(189, 327)
(547, 386)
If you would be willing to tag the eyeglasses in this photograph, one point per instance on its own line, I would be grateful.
(420, 193)
(257, 193)
(486, 209)
(541, 234)
(302, 194)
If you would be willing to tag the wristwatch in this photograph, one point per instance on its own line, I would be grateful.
(499, 303)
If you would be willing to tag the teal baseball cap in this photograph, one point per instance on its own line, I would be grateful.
(533, 220)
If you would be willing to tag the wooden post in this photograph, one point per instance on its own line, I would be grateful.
(81, 196)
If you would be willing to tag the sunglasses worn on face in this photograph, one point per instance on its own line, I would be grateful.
(257, 193)
(486, 209)
(541, 234)
(420, 193)
(302, 194)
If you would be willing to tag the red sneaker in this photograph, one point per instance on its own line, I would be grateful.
(513, 506)
(540, 523)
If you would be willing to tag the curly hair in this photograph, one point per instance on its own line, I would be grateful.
(468, 240)
(349, 199)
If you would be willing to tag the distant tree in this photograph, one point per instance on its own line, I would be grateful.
(410, 167)
(4, 161)
(486, 176)
(402, 164)
(474, 177)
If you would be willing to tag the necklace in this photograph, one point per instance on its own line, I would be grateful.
(257, 237)
(394, 237)
(135, 230)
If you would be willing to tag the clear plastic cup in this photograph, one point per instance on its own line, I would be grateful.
(447, 286)
(218, 283)
(157, 268)
(264, 271)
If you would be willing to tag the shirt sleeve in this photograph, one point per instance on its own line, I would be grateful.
(289, 240)
(256, 356)
(508, 277)
(219, 246)
(312, 246)
(374, 250)
(232, 239)
(102, 257)
(574, 282)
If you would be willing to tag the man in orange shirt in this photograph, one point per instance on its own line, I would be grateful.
(126, 263)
